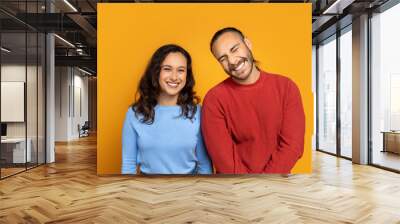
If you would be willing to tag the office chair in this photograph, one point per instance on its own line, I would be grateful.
(84, 130)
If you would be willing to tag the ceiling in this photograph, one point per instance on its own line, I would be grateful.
(76, 22)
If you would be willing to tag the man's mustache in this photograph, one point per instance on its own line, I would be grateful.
(234, 66)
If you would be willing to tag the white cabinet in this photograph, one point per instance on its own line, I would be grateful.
(18, 149)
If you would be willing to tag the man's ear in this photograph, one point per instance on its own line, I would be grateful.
(248, 43)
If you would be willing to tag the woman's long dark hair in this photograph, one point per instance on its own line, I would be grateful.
(149, 87)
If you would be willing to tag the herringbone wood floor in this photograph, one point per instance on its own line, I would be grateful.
(69, 191)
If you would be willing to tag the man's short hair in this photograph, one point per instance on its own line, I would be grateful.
(225, 30)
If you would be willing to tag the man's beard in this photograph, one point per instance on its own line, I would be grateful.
(249, 60)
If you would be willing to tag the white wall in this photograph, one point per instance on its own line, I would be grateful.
(81, 102)
(62, 78)
(12, 73)
(71, 94)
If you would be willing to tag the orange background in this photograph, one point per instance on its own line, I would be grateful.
(128, 34)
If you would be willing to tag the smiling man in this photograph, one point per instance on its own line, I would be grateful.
(253, 121)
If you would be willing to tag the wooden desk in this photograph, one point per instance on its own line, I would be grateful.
(16, 147)
(391, 141)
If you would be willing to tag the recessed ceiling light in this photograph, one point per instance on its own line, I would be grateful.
(5, 50)
(84, 71)
(70, 5)
(337, 7)
(64, 40)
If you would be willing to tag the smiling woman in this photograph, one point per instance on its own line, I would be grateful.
(167, 110)
(172, 78)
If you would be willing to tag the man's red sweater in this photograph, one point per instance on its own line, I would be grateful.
(256, 128)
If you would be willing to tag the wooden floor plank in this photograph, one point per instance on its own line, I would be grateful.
(69, 191)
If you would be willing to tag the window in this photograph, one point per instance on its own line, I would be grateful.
(346, 93)
(385, 88)
(327, 95)
(22, 88)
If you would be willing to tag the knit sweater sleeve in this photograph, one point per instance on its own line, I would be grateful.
(129, 145)
(291, 135)
(216, 135)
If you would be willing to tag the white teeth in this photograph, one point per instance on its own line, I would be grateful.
(240, 66)
(172, 84)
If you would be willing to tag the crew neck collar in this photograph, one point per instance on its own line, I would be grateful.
(246, 86)
(166, 107)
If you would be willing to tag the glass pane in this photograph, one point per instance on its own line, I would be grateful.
(314, 78)
(386, 88)
(41, 98)
(23, 88)
(32, 95)
(14, 153)
(327, 96)
(346, 94)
